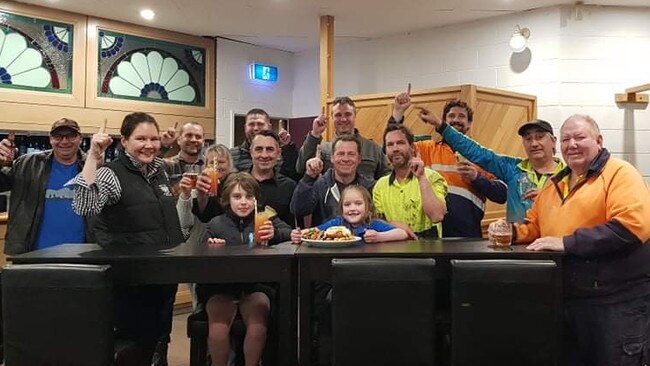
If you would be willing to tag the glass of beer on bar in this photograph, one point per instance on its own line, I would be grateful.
(192, 171)
(500, 233)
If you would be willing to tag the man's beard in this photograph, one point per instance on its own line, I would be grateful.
(404, 161)
(459, 127)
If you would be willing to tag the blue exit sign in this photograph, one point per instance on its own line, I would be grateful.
(264, 72)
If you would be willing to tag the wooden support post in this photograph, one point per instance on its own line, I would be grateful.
(326, 64)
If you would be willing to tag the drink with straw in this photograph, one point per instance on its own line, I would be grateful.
(262, 216)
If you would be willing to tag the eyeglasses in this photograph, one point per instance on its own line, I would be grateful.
(59, 137)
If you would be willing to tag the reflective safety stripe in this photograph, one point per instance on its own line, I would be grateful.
(467, 194)
(443, 168)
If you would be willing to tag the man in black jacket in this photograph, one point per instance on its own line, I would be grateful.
(40, 211)
(258, 120)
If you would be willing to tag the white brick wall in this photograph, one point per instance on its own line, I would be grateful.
(575, 66)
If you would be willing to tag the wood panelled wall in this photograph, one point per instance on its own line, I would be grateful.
(497, 117)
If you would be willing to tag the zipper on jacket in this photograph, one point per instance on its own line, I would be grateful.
(241, 230)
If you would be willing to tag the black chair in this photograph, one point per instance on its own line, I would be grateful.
(197, 332)
(505, 312)
(383, 311)
(60, 314)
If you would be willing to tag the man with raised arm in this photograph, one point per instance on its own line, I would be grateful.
(412, 197)
(469, 185)
(524, 177)
(373, 161)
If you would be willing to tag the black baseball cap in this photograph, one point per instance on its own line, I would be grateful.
(65, 123)
(538, 124)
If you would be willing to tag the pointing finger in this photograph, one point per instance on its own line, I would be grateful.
(408, 89)
(103, 128)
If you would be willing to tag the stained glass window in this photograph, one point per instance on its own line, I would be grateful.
(35, 54)
(132, 67)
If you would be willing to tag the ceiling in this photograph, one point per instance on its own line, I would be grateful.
(293, 25)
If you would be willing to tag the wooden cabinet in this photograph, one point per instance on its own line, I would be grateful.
(33, 106)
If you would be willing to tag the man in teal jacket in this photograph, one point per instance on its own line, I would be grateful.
(524, 177)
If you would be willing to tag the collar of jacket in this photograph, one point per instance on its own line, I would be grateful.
(391, 178)
(246, 220)
(595, 167)
(178, 158)
(356, 132)
(246, 146)
(275, 175)
(131, 163)
(526, 166)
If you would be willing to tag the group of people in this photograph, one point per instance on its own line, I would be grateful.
(591, 205)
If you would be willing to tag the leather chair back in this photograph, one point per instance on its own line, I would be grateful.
(58, 314)
(383, 311)
(505, 312)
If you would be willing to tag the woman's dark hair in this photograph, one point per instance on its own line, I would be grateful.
(131, 121)
(245, 181)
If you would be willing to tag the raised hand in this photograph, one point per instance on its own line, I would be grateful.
(285, 137)
(7, 150)
(429, 117)
(319, 125)
(167, 138)
(402, 103)
(99, 143)
(416, 165)
(314, 166)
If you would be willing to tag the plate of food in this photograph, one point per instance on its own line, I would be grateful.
(333, 237)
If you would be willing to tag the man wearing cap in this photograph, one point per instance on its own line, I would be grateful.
(40, 211)
(469, 186)
(524, 177)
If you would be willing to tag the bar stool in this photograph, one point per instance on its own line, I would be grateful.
(505, 312)
(59, 314)
(383, 311)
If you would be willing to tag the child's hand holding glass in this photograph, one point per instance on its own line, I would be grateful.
(265, 232)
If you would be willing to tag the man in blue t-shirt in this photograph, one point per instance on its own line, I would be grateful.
(40, 211)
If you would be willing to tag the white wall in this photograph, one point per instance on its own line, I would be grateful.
(237, 93)
(571, 65)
